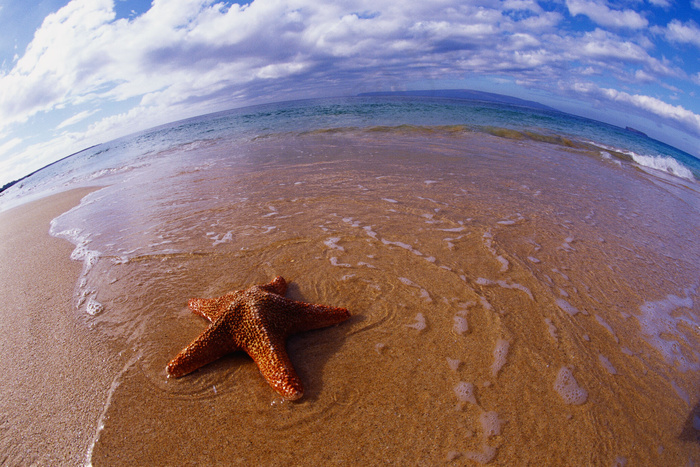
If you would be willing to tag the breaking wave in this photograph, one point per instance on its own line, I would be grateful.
(665, 164)
(662, 163)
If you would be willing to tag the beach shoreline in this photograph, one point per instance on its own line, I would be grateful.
(508, 296)
(54, 372)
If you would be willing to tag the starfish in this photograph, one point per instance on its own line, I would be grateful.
(258, 321)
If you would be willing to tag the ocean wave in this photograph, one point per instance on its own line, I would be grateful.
(664, 164)
(661, 163)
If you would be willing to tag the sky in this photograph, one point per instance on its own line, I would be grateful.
(81, 72)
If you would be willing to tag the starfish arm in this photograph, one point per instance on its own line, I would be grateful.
(212, 308)
(212, 344)
(308, 316)
(277, 369)
(277, 286)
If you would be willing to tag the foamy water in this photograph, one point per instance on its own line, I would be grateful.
(523, 282)
(660, 163)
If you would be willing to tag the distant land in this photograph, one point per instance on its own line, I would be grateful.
(463, 94)
(636, 132)
(14, 182)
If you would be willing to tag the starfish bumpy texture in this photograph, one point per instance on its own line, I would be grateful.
(258, 321)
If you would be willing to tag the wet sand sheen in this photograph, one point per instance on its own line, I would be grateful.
(54, 372)
(496, 305)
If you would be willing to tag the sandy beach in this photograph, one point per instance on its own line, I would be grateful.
(541, 314)
(54, 373)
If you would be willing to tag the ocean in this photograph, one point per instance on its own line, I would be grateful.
(523, 284)
(339, 114)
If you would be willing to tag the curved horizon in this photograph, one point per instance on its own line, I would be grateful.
(79, 73)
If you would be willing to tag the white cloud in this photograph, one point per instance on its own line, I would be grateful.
(604, 45)
(56, 62)
(608, 51)
(8, 145)
(661, 3)
(696, 4)
(522, 5)
(688, 32)
(643, 77)
(658, 107)
(543, 22)
(673, 113)
(603, 15)
(75, 118)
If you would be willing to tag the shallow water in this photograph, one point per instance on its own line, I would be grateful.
(513, 301)
(118, 159)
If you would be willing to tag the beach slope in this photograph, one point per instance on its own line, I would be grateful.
(52, 370)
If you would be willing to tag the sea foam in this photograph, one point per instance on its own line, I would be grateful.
(490, 424)
(500, 352)
(419, 325)
(662, 317)
(465, 392)
(461, 325)
(567, 387)
(484, 457)
(663, 164)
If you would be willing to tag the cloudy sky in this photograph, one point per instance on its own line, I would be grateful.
(77, 73)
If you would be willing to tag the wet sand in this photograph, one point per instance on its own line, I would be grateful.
(54, 372)
(474, 288)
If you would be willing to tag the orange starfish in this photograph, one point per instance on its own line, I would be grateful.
(258, 321)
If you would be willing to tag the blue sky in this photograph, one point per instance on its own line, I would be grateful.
(77, 73)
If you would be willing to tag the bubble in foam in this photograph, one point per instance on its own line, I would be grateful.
(332, 243)
(419, 325)
(490, 424)
(93, 307)
(465, 392)
(607, 365)
(425, 295)
(505, 284)
(552, 329)
(334, 261)
(461, 326)
(504, 263)
(499, 356)
(566, 246)
(662, 322)
(453, 363)
(484, 457)
(567, 387)
(568, 307)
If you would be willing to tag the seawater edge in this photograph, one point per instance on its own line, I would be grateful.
(361, 113)
(530, 243)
